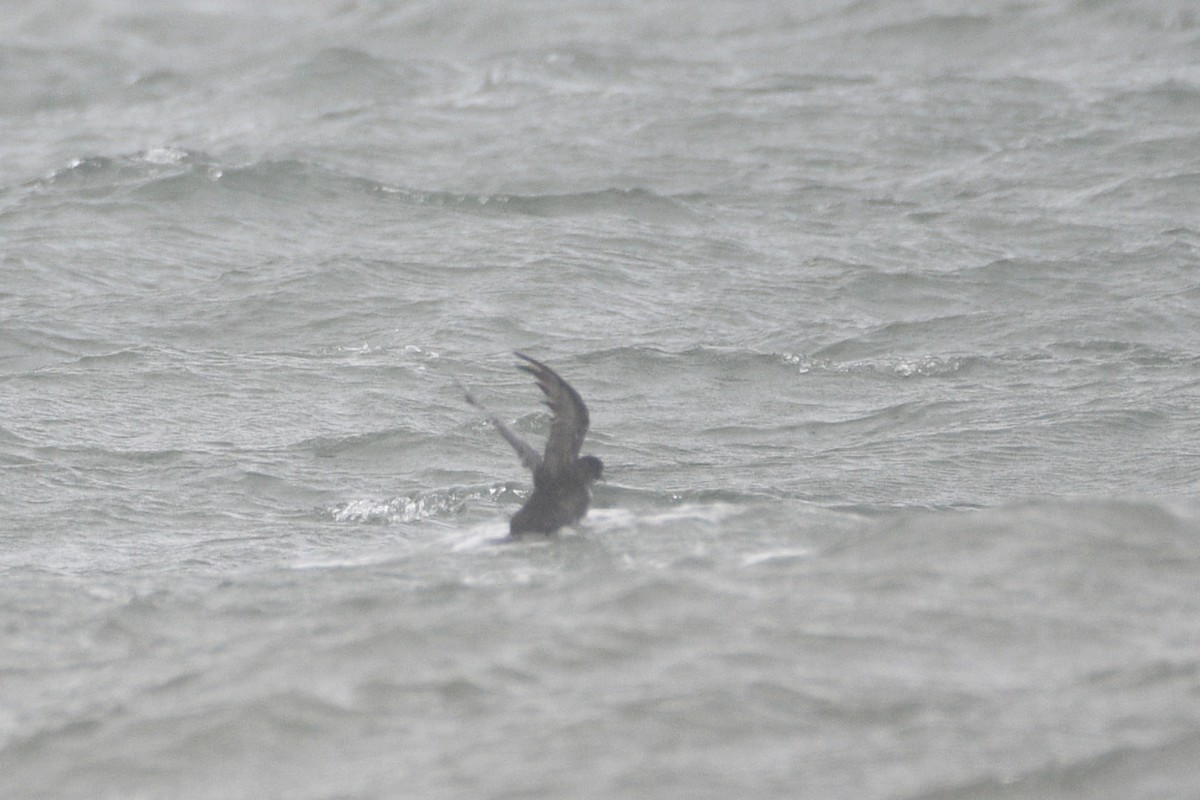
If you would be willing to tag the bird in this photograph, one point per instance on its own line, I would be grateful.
(562, 479)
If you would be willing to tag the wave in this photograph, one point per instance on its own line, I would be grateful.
(923, 366)
(1111, 771)
(629, 504)
(172, 175)
(700, 358)
(416, 506)
(356, 78)
(642, 203)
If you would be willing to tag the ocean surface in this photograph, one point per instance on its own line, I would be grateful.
(887, 315)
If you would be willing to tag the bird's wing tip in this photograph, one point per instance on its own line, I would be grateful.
(465, 392)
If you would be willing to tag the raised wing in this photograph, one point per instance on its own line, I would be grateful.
(570, 416)
(529, 456)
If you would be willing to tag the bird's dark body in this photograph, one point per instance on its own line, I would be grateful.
(557, 500)
(562, 480)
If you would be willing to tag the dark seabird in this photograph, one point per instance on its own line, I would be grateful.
(562, 481)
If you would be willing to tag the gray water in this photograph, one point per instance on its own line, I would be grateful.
(886, 313)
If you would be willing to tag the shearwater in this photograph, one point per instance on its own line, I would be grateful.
(562, 480)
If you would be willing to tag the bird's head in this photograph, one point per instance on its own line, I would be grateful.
(591, 468)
